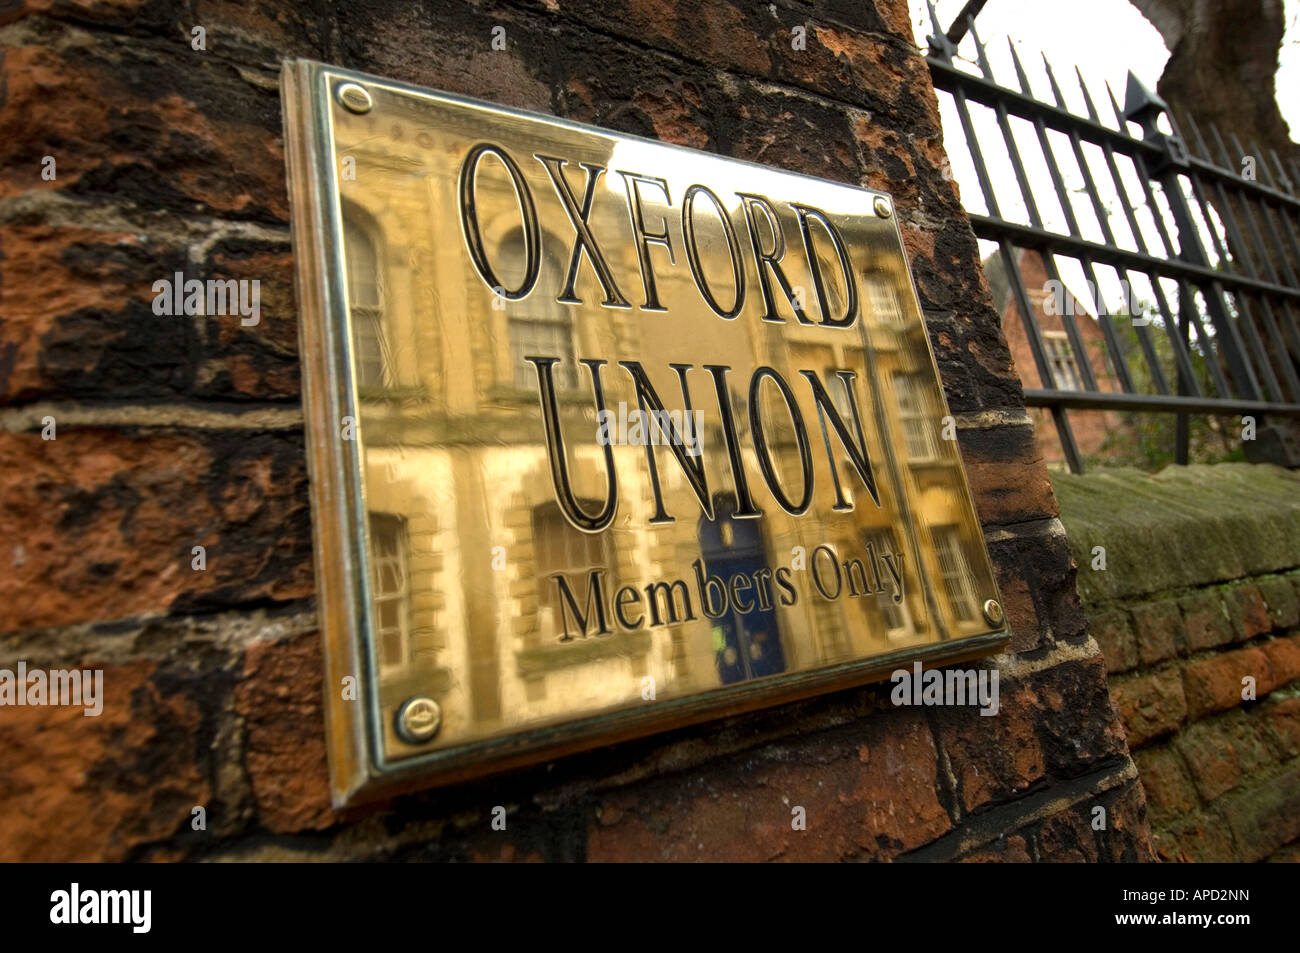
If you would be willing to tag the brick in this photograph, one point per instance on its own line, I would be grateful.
(79, 788)
(239, 361)
(1007, 850)
(100, 524)
(1067, 836)
(1076, 722)
(80, 321)
(1201, 837)
(1284, 658)
(1211, 759)
(1215, 684)
(1169, 789)
(247, 30)
(1041, 564)
(993, 757)
(1282, 718)
(1007, 478)
(1249, 613)
(1282, 600)
(1157, 628)
(1114, 634)
(1265, 816)
(868, 793)
(210, 143)
(1207, 622)
(279, 699)
(1127, 837)
(1150, 705)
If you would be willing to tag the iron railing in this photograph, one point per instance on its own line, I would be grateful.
(1220, 254)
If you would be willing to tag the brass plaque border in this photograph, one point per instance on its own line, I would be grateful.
(358, 771)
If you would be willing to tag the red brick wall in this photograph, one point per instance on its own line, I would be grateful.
(176, 432)
(1090, 427)
(1197, 612)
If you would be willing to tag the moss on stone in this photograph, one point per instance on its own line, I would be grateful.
(1183, 527)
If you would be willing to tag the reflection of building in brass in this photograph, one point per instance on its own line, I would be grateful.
(627, 415)
(418, 719)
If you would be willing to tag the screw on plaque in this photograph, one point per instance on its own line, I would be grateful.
(993, 613)
(354, 98)
(882, 207)
(418, 719)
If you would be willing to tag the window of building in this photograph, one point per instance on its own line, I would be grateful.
(883, 301)
(391, 589)
(559, 548)
(898, 620)
(919, 423)
(1061, 359)
(365, 303)
(542, 338)
(955, 572)
(546, 332)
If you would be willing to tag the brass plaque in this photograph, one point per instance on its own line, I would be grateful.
(606, 435)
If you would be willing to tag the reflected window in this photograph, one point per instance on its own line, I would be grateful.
(365, 302)
(883, 301)
(547, 331)
(1061, 358)
(919, 424)
(898, 621)
(542, 338)
(955, 572)
(391, 589)
(559, 548)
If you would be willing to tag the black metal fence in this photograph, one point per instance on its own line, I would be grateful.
(1209, 230)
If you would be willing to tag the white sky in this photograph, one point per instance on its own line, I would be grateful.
(1104, 39)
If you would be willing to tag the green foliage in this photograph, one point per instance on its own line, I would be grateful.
(1147, 440)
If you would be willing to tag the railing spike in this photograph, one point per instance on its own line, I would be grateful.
(1051, 81)
(1021, 76)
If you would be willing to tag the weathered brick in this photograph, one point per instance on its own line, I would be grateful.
(1169, 790)
(1215, 684)
(79, 788)
(1211, 758)
(993, 756)
(1282, 600)
(1265, 816)
(1007, 478)
(1202, 837)
(1114, 634)
(1249, 613)
(1284, 658)
(1150, 705)
(1041, 563)
(80, 321)
(279, 698)
(101, 524)
(869, 794)
(1006, 850)
(1207, 621)
(1077, 724)
(1282, 716)
(1157, 627)
(178, 132)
